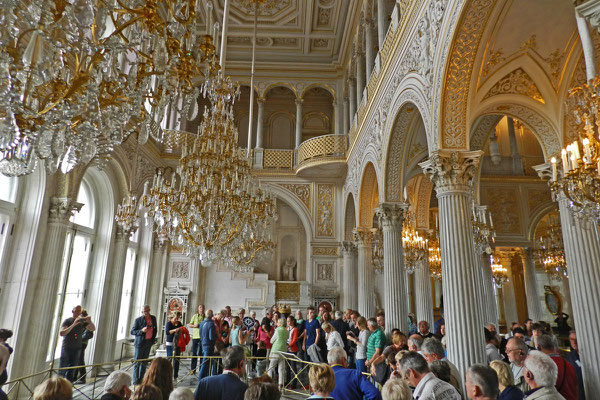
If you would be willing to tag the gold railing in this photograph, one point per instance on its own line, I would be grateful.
(287, 291)
(322, 146)
(278, 159)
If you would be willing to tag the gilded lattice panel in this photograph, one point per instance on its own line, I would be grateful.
(325, 209)
(325, 251)
(287, 291)
(322, 146)
(300, 190)
(278, 159)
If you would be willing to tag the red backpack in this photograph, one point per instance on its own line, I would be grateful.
(184, 339)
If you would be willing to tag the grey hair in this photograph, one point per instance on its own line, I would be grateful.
(545, 342)
(338, 314)
(520, 343)
(396, 389)
(372, 322)
(181, 393)
(233, 356)
(116, 381)
(542, 367)
(433, 346)
(485, 378)
(336, 355)
(415, 340)
(209, 314)
(441, 369)
(415, 361)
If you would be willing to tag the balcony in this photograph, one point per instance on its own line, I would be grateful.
(322, 156)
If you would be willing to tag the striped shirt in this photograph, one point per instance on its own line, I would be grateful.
(376, 341)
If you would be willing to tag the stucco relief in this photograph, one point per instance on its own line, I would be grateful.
(537, 197)
(504, 206)
(180, 270)
(571, 127)
(516, 82)
(300, 190)
(482, 130)
(325, 211)
(325, 272)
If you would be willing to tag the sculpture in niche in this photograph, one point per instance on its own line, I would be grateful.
(288, 270)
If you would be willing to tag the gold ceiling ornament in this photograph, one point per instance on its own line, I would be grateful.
(78, 77)
(434, 256)
(580, 178)
(211, 206)
(414, 245)
(499, 272)
(550, 251)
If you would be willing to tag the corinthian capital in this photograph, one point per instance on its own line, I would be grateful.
(363, 236)
(452, 170)
(348, 248)
(391, 215)
(63, 208)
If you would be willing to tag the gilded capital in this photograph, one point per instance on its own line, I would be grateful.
(391, 215)
(363, 236)
(63, 208)
(452, 170)
(122, 234)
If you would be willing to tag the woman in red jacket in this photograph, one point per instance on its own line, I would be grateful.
(292, 348)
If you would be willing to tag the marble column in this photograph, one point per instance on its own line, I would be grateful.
(363, 237)
(106, 338)
(158, 267)
(452, 174)
(491, 308)
(346, 115)
(360, 77)
(534, 305)
(369, 48)
(299, 121)
(334, 118)
(381, 22)
(508, 289)
(41, 333)
(260, 122)
(582, 252)
(517, 162)
(423, 300)
(391, 216)
(352, 87)
(350, 271)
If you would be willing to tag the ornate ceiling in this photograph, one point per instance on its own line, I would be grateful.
(289, 31)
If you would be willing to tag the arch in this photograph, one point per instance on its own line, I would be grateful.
(537, 216)
(322, 86)
(349, 217)
(369, 196)
(287, 85)
(247, 84)
(296, 205)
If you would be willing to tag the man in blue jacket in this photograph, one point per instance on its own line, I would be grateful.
(350, 384)
(144, 329)
(228, 385)
(208, 337)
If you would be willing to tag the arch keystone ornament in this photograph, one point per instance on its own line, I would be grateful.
(452, 174)
(391, 217)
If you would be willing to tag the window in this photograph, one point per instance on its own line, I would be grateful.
(8, 199)
(86, 216)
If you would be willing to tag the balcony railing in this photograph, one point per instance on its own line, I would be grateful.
(278, 159)
(322, 147)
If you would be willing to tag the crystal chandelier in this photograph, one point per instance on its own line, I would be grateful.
(377, 250)
(483, 229)
(211, 206)
(499, 273)
(414, 246)
(77, 77)
(581, 170)
(435, 257)
(127, 212)
(550, 251)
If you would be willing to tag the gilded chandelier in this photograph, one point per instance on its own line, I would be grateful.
(581, 159)
(434, 257)
(483, 229)
(77, 77)
(550, 251)
(414, 246)
(499, 273)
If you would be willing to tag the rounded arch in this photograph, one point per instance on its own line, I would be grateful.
(247, 84)
(349, 217)
(296, 205)
(369, 196)
(322, 86)
(537, 216)
(273, 85)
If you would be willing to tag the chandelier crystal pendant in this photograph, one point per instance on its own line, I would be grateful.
(434, 256)
(580, 160)
(414, 246)
(484, 234)
(550, 252)
(499, 273)
(78, 77)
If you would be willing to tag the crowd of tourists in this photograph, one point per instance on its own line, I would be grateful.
(347, 356)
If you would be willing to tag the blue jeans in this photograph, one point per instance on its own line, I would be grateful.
(196, 351)
(174, 361)
(139, 368)
(360, 365)
(69, 358)
(207, 351)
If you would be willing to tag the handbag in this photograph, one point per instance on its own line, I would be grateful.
(87, 335)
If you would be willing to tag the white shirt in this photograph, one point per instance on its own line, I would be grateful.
(492, 353)
(334, 339)
(432, 388)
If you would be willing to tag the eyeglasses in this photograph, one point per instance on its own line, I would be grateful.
(511, 350)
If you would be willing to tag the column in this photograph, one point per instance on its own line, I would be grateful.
(369, 47)
(391, 216)
(491, 316)
(41, 333)
(381, 22)
(334, 118)
(346, 115)
(360, 77)
(517, 163)
(260, 122)
(298, 122)
(587, 11)
(350, 287)
(352, 90)
(452, 174)
(106, 338)
(423, 298)
(582, 252)
(158, 267)
(534, 306)
(363, 238)
(508, 289)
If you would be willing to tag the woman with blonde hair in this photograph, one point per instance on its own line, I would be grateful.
(506, 381)
(159, 374)
(396, 389)
(279, 345)
(361, 343)
(54, 389)
(322, 381)
(173, 329)
(332, 336)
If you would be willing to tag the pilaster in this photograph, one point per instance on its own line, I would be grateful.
(260, 122)
(299, 122)
(423, 299)
(350, 276)
(534, 306)
(363, 238)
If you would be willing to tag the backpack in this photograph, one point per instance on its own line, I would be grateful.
(183, 339)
